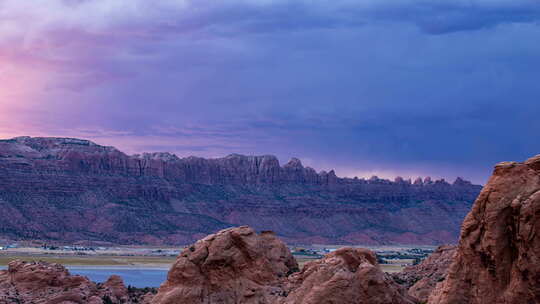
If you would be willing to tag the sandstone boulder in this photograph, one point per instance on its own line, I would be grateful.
(49, 283)
(235, 265)
(239, 266)
(25, 282)
(498, 258)
(346, 276)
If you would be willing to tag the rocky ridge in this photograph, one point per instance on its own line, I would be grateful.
(80, 156)
(72, 190)
(498, 257)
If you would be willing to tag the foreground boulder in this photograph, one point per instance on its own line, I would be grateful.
(239, 266)
(235, 265)
(345, 276)
(41, 282)
(421, 279)
(498, 258)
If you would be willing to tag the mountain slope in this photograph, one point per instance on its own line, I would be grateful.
(71, 190)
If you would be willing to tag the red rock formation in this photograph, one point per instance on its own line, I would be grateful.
(346, 276)
(44, 283)
(74, 190)
(239, 266)
(116, 288)
(232, 266)
(421, 279)
(41, 282)
(498, 258)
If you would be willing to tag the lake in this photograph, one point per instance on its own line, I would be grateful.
(136, 277)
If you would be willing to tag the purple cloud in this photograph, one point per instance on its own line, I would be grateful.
(427, 87)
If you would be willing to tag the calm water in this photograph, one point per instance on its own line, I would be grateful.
(137, 277)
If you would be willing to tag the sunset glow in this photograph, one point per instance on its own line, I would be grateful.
(325, 81)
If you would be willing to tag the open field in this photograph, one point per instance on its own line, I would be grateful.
(394, 258)
(391, 268)
(303, 261)
(142, 261)
(394, 267)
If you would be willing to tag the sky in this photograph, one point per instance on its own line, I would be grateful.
(366, 87)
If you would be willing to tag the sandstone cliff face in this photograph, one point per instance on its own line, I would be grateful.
(239, 266)
(421, 279)
(74, 190)
(36, 283)
(83, 156)
(498, 258)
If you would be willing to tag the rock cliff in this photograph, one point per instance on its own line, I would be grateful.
(498, 257)
(70, 190)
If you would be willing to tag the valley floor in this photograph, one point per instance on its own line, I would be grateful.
(391, 258)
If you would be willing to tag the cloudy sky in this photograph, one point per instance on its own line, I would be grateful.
(413, 87)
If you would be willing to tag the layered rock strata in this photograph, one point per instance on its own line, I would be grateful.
(73, 190)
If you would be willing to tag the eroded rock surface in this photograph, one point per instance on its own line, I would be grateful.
(73, 190)
(421, 279)
(498, 258)
(239, 266)
(49, 283)
(233, 266)
(345, 276)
